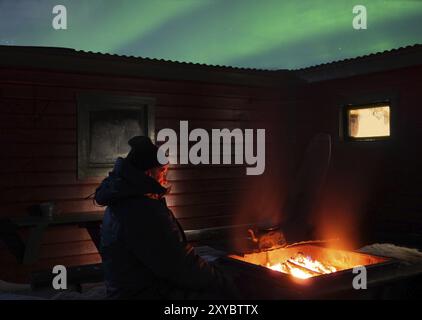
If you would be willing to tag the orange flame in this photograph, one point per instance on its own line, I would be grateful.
(302, 267)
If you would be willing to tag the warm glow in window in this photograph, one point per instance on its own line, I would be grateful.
(369, 122)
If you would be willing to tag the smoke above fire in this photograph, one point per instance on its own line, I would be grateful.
(336, 207)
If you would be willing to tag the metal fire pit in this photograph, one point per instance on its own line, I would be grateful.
(259, 282)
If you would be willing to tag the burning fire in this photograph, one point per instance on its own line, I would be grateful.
(305, 261)
(302, 267)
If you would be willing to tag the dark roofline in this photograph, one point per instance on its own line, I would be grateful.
(71, 51)
(376, 62)
(71, 60)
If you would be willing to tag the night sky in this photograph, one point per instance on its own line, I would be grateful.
(281, 34)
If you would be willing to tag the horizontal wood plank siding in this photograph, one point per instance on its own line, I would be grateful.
(376, 182)
(38, 126)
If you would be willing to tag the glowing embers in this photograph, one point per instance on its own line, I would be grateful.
(369, 122)
(306, 261)
(302, 267)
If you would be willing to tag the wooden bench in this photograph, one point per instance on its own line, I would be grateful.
(27, 252)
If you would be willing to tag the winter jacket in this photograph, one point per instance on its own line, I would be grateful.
(144, 250)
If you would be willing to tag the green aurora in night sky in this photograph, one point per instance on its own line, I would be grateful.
(270, 34)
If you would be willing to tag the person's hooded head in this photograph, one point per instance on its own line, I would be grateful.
(144, 155)
(140, 173)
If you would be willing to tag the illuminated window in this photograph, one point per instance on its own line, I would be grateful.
(368, 122)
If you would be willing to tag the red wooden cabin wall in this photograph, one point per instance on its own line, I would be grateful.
(374, 188)
(39, 151)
